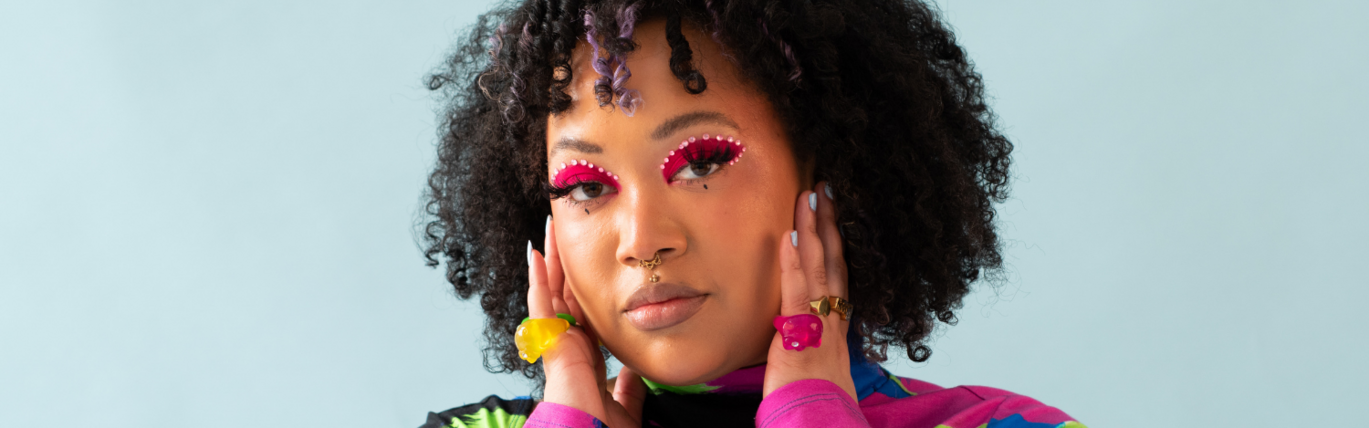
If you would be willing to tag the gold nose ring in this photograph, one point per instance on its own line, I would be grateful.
(651, 265)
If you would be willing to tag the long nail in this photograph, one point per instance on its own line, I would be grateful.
(827, 187)
(548, 224)
(529, 252)
(794, 238)
(813, 201)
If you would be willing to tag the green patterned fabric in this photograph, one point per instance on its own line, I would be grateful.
(484, 418)
(659, 389)
(492, 412)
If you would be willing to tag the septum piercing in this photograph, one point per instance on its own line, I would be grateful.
(651, 265)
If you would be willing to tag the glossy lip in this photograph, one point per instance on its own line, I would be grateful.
(662, 305)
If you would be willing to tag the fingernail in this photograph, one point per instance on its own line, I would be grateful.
(548, 224)
(813, 201)
(794, 238)
(529, 252)
(827, 188)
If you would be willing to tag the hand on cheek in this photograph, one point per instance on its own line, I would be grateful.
(811, 267)
(575, 370)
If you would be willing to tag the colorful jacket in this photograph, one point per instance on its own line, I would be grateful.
(734, 400)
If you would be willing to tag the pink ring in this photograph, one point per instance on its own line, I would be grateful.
(799, 331)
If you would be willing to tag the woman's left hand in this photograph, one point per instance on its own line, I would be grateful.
(808, 271)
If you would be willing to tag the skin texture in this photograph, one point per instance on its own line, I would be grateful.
(730, 241)
(717, 240)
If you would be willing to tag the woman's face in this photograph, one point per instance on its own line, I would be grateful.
(715, 214)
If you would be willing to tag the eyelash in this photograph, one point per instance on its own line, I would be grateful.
(555, 192)
(716, 150)
(568, 178)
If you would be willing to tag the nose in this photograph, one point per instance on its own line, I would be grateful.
(646, 229)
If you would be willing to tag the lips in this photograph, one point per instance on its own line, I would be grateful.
(662, 305)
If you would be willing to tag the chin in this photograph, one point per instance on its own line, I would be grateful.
(678, 364)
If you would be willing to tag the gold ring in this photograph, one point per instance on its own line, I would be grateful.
(840, 306)
(822, 306)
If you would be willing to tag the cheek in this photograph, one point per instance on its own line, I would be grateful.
(769, 215)
(742, 228)
(760, 199)
(587, 257)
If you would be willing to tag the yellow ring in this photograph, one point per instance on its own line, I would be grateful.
(536, 336)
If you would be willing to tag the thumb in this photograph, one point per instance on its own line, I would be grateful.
(630, 392)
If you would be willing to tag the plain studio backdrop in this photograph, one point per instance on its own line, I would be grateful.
(207, 210)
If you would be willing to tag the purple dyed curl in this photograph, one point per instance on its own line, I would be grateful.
(628, 99)
(613, 69)
(600, 65)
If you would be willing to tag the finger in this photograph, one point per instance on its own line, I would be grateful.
(573, 306)
(834, 258)
(597, 355)
(555, 278)
(793, 287)
(810, 247)
(630, 392)
(539, 298)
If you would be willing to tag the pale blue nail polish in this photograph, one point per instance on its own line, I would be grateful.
(548, 229)
(827, 188)
(813, 201)
(794, 238)
(529, 252)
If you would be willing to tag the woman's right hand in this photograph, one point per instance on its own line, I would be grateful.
(575, 369)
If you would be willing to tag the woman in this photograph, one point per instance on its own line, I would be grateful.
(746, 203)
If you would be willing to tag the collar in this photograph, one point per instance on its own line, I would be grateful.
(869, 378)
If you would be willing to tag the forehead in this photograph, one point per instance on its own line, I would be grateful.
(663, 95)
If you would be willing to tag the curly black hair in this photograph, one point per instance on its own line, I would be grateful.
(875, 95)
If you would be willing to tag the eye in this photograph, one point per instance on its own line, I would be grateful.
(590, 190)
(696, 170)
(698, 158)
(582, 181)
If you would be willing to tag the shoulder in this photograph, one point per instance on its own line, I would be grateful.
(929, 405)
(492, 412)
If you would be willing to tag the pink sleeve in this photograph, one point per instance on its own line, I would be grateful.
(1008, 409)
(809, 403)
(552, 415)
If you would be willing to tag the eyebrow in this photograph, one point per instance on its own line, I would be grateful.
(666, 129)
(675, 124)
(576, 144)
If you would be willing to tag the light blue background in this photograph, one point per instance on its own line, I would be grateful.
(206, 214)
